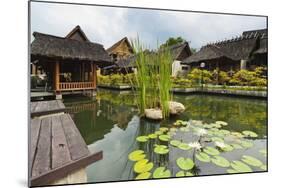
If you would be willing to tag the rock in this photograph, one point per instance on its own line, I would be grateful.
(155, 114)
(175, 108)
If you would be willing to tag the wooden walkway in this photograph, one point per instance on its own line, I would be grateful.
(56, 149)
(46, 107)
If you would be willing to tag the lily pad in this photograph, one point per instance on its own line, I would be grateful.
(173, 129)
(143, 176)
(236, 146)
(184, 146)
(250, 134)
(247, 144)
(164, 137)
(251, 161)
(225, 132)
(240, 166)
(185, 163)
(237, 134)
(220, 161)
(175, 143)
(263, 167)
(143, 166)
(211, 151)
(183, 174)
(227, 147)
(142, 138)
(201, 156)
(184, 129)
(161, 172)
(152, 136)
(163, 129)
(158, 132)
(217, 139)
(136, 155)
(223, 123)
(263, 151)
(161, 149)
(231, 171)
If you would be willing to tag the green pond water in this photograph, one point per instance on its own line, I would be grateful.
(111, 124)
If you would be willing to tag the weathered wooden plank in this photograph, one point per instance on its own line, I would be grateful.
(52, 105)
(60, 104)
(60, 152)
(34, 135)
(55, 174)
(76, 143)
(43, 155)
(33, 106)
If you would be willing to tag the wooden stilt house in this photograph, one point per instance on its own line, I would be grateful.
(70, 62)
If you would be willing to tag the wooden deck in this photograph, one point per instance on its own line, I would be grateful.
(57, 149)
(46, 107)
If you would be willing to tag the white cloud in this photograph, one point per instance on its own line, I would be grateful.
(107, 25)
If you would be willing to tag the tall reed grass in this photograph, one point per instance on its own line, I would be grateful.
(153, 84)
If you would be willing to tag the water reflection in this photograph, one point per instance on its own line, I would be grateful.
(111, 124)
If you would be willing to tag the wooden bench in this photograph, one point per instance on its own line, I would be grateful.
(56, 149)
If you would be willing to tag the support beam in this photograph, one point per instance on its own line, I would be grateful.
(243, 64)
(94, 74)
(57, 76)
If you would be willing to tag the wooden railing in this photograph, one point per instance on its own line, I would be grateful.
(66, 86)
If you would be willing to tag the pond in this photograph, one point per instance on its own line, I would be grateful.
(111, 124)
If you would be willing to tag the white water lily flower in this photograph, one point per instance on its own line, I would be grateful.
(220, 144)
(195, 145)
(201, 132)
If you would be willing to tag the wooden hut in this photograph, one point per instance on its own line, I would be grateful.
(244, 52)
(70, 62)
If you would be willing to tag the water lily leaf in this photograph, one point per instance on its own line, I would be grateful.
(184, 129)
(136, 155)
(180, 123)
(142, 138)
(152, 136)
(216, 125)
(175, 143)
(173, 129)
(223, 123)
(231, 171)
(143, 166)
(211, 151)
(158, 132)
(182, 174)
(250, 134)
(164, 137)
(237, 134)
(185, 163)
(171, 133)
(161, 149)
(161, 172)
(247, 144)
(143, 176)
(240, 166)
(220, 161)
(163, 129)
(227, 147)
(189, 174)
(208, 126)
(201, 156)
(214, 129)
(184, 146)
(263, 167)
(236, 146)
(225, 132)
(217, 139)
(251, 160)
(263, 151)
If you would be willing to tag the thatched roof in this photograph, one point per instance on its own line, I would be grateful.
(180, 51)
(242, 47)
(59, 48)
(75, 30)
(125, 39)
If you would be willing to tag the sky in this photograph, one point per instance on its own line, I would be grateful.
(107, 25)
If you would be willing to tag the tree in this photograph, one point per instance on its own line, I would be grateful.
(172, 41)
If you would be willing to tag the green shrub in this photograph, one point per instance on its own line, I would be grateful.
(196, 75)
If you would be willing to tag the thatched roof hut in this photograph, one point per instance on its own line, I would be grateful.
(64, 49)
(235, 49)
(180, 51)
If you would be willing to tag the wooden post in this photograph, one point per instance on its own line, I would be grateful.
(57, 76)
(95, 75)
